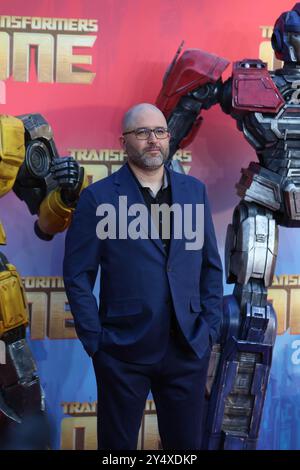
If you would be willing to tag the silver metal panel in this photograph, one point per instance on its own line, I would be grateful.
(255, 251)
(22, 359)
(291, 194)
(253, 187)
(243, 258)
(271, 253)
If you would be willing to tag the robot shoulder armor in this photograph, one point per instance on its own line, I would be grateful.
(253, 88)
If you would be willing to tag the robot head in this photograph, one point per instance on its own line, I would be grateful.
(286, 36)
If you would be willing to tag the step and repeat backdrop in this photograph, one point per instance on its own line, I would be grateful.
(82, 64)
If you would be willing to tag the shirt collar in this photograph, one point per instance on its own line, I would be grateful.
(164, 185)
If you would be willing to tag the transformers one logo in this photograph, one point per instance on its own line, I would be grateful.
(49, 311)
(50, 314)
(99, 163)
(78, 427)
(50, 44)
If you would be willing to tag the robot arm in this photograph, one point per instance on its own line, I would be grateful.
(12, 151)
(49, 185)
(192, 83)
(56, 209)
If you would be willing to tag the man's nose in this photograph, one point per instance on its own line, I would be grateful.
(152, 137)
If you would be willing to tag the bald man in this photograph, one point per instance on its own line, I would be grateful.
(151, 232)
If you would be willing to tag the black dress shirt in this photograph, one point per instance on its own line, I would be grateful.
(163, 196)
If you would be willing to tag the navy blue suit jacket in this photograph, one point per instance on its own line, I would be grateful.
(139, 282)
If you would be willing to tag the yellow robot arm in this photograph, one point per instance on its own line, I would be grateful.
(54, 214)
(12, 151)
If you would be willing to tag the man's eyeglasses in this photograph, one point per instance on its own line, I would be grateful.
(143, 133)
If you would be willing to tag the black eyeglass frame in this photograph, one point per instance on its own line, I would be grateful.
(134, 131)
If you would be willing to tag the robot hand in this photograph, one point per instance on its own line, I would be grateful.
(56, 209)
(69, 176)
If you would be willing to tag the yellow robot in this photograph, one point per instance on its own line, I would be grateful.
(50, 186)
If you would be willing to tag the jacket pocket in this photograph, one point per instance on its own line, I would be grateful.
(126, 307)
(195, 304)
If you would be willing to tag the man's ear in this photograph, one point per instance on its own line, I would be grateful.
(122, 142)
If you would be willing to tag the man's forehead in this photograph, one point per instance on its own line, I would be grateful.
(148, 118)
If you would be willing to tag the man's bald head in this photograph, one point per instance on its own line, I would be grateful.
(149, 153)
(132, 118)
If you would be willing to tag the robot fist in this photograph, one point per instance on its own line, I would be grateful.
(69, 176)
(65, 171)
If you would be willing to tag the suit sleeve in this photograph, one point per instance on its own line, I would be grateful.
(211, 280)
(80, 268)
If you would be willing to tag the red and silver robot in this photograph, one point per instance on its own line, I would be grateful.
(266, 107)
(50, 187)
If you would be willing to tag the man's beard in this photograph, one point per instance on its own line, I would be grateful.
(149, 162)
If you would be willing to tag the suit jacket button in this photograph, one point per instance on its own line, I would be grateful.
(169, 268)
